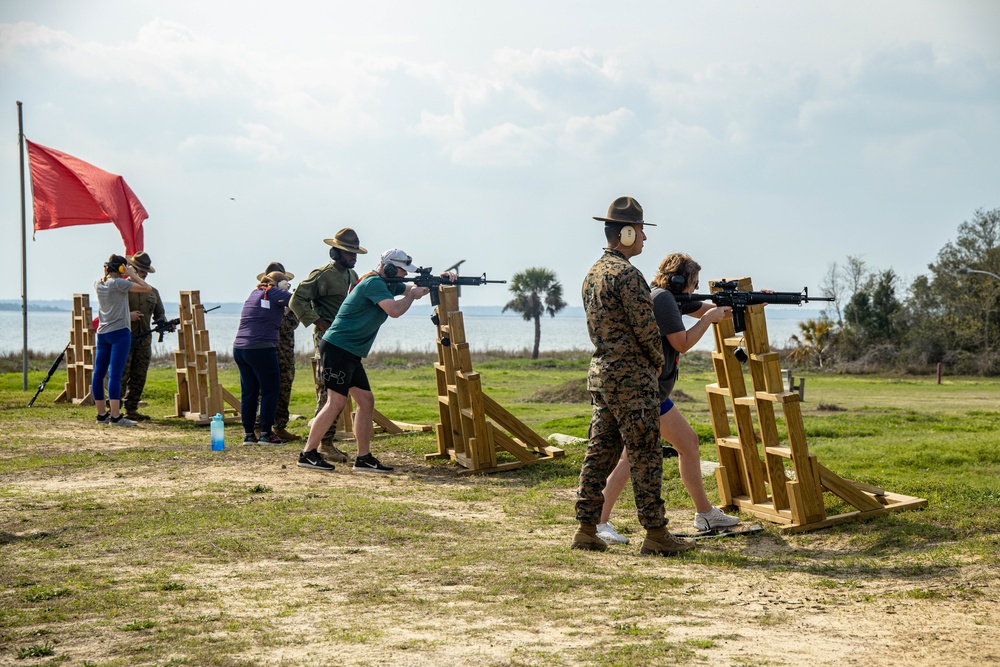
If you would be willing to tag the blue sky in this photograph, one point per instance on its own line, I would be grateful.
(767, 139)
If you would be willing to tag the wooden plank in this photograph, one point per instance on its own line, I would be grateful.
(512, 424)
(386, 423)
(483, 433)
(501, 439)
(845, 489)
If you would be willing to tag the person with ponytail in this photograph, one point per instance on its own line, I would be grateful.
(114, 337)
(255, 352)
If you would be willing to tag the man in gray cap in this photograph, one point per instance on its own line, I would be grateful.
(622, 380)
(316, 302)
(142, 306)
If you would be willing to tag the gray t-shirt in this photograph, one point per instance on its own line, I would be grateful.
(668, 318)
(112, 297)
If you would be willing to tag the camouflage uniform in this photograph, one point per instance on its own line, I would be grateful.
(319, 297)
(286, 364)
(137, 364)
(623, 384)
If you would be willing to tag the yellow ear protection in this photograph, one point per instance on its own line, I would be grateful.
(626, 236)
(120, 268)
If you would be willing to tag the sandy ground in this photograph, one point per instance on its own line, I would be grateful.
(744, 616)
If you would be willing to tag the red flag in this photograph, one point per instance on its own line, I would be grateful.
(68, 191)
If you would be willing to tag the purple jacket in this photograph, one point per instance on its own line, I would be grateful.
(261, 318)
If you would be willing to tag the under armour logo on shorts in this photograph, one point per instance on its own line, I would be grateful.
(339, 376)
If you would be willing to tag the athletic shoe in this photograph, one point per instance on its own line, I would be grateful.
(249, 439)
(330, 451)
(714, 518)
(122, 420)
(267, 438)
(137, 416)
(104, 419)
(368, 463)
(313, 460)
(607, 532)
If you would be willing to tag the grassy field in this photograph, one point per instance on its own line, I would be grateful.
(143, 547)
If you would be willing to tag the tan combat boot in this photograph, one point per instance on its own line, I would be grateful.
(586, 538)
(285, 434)
(330, 451)
(659, 542)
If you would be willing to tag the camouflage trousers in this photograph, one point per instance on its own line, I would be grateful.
(331, 433)
(615, 425)
(134, 374)
(286, 366)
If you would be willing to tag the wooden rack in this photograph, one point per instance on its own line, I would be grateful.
(465, 433)
(743, 477)
(80, 354)
(199, 395)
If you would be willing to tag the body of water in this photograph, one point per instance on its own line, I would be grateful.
(48, 331)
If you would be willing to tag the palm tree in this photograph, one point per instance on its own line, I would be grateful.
(815, 340)
(536, 292)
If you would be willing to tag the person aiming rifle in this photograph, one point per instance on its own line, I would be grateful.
(48, 376)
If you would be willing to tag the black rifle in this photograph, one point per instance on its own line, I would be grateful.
(738, 301)
(166, 326)
(423, 278)
(48, 376)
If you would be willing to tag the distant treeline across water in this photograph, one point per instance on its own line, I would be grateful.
(48, 331)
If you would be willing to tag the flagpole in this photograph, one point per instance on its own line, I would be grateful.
(24, 255)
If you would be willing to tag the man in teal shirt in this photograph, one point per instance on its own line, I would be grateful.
(348, 340)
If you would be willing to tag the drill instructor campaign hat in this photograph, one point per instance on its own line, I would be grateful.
(346, 239)
(625, 211)
(140, 261)
(276, 266)
(400, 259)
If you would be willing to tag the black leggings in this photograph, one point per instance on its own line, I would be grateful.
(260, 377)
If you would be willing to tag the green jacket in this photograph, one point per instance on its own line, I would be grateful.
(319, 296)
(147, 303)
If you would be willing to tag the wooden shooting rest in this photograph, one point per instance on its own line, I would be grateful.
(80, 354)
(465, 433)
(743, 477)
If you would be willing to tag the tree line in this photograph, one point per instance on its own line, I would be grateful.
(950, 316)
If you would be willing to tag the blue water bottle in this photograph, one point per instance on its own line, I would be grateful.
(218, 433)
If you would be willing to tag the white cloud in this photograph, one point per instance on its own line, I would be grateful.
(506, 145)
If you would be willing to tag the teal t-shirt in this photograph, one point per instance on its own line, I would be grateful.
(360, 316)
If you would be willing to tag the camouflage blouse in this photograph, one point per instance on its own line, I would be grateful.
(623, 329)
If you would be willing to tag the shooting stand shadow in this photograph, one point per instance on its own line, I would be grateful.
(465, 433)
(743, 477)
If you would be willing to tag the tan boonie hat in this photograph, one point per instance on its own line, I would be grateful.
(625, 211)
(140, 261)
(346, 239)
(275, 266)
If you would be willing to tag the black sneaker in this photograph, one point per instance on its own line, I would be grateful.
(249, 439)
(268, 438)
(369, 463)
(313, 460)
(104, 419)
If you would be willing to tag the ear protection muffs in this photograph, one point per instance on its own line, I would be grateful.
(391, 270)
(626, 236)
(335, 254)
(115, 268)
(677, 283)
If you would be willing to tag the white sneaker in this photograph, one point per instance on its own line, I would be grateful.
(122, 421)
(607, 532)
(714, 518)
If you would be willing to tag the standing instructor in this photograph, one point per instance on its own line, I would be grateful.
(622, 381)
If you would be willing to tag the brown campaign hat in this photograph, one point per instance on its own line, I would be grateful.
(346, 239)
(140, 261)
(276, 266)
(625, 211)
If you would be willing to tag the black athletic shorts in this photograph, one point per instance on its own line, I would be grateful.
(341, 369)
